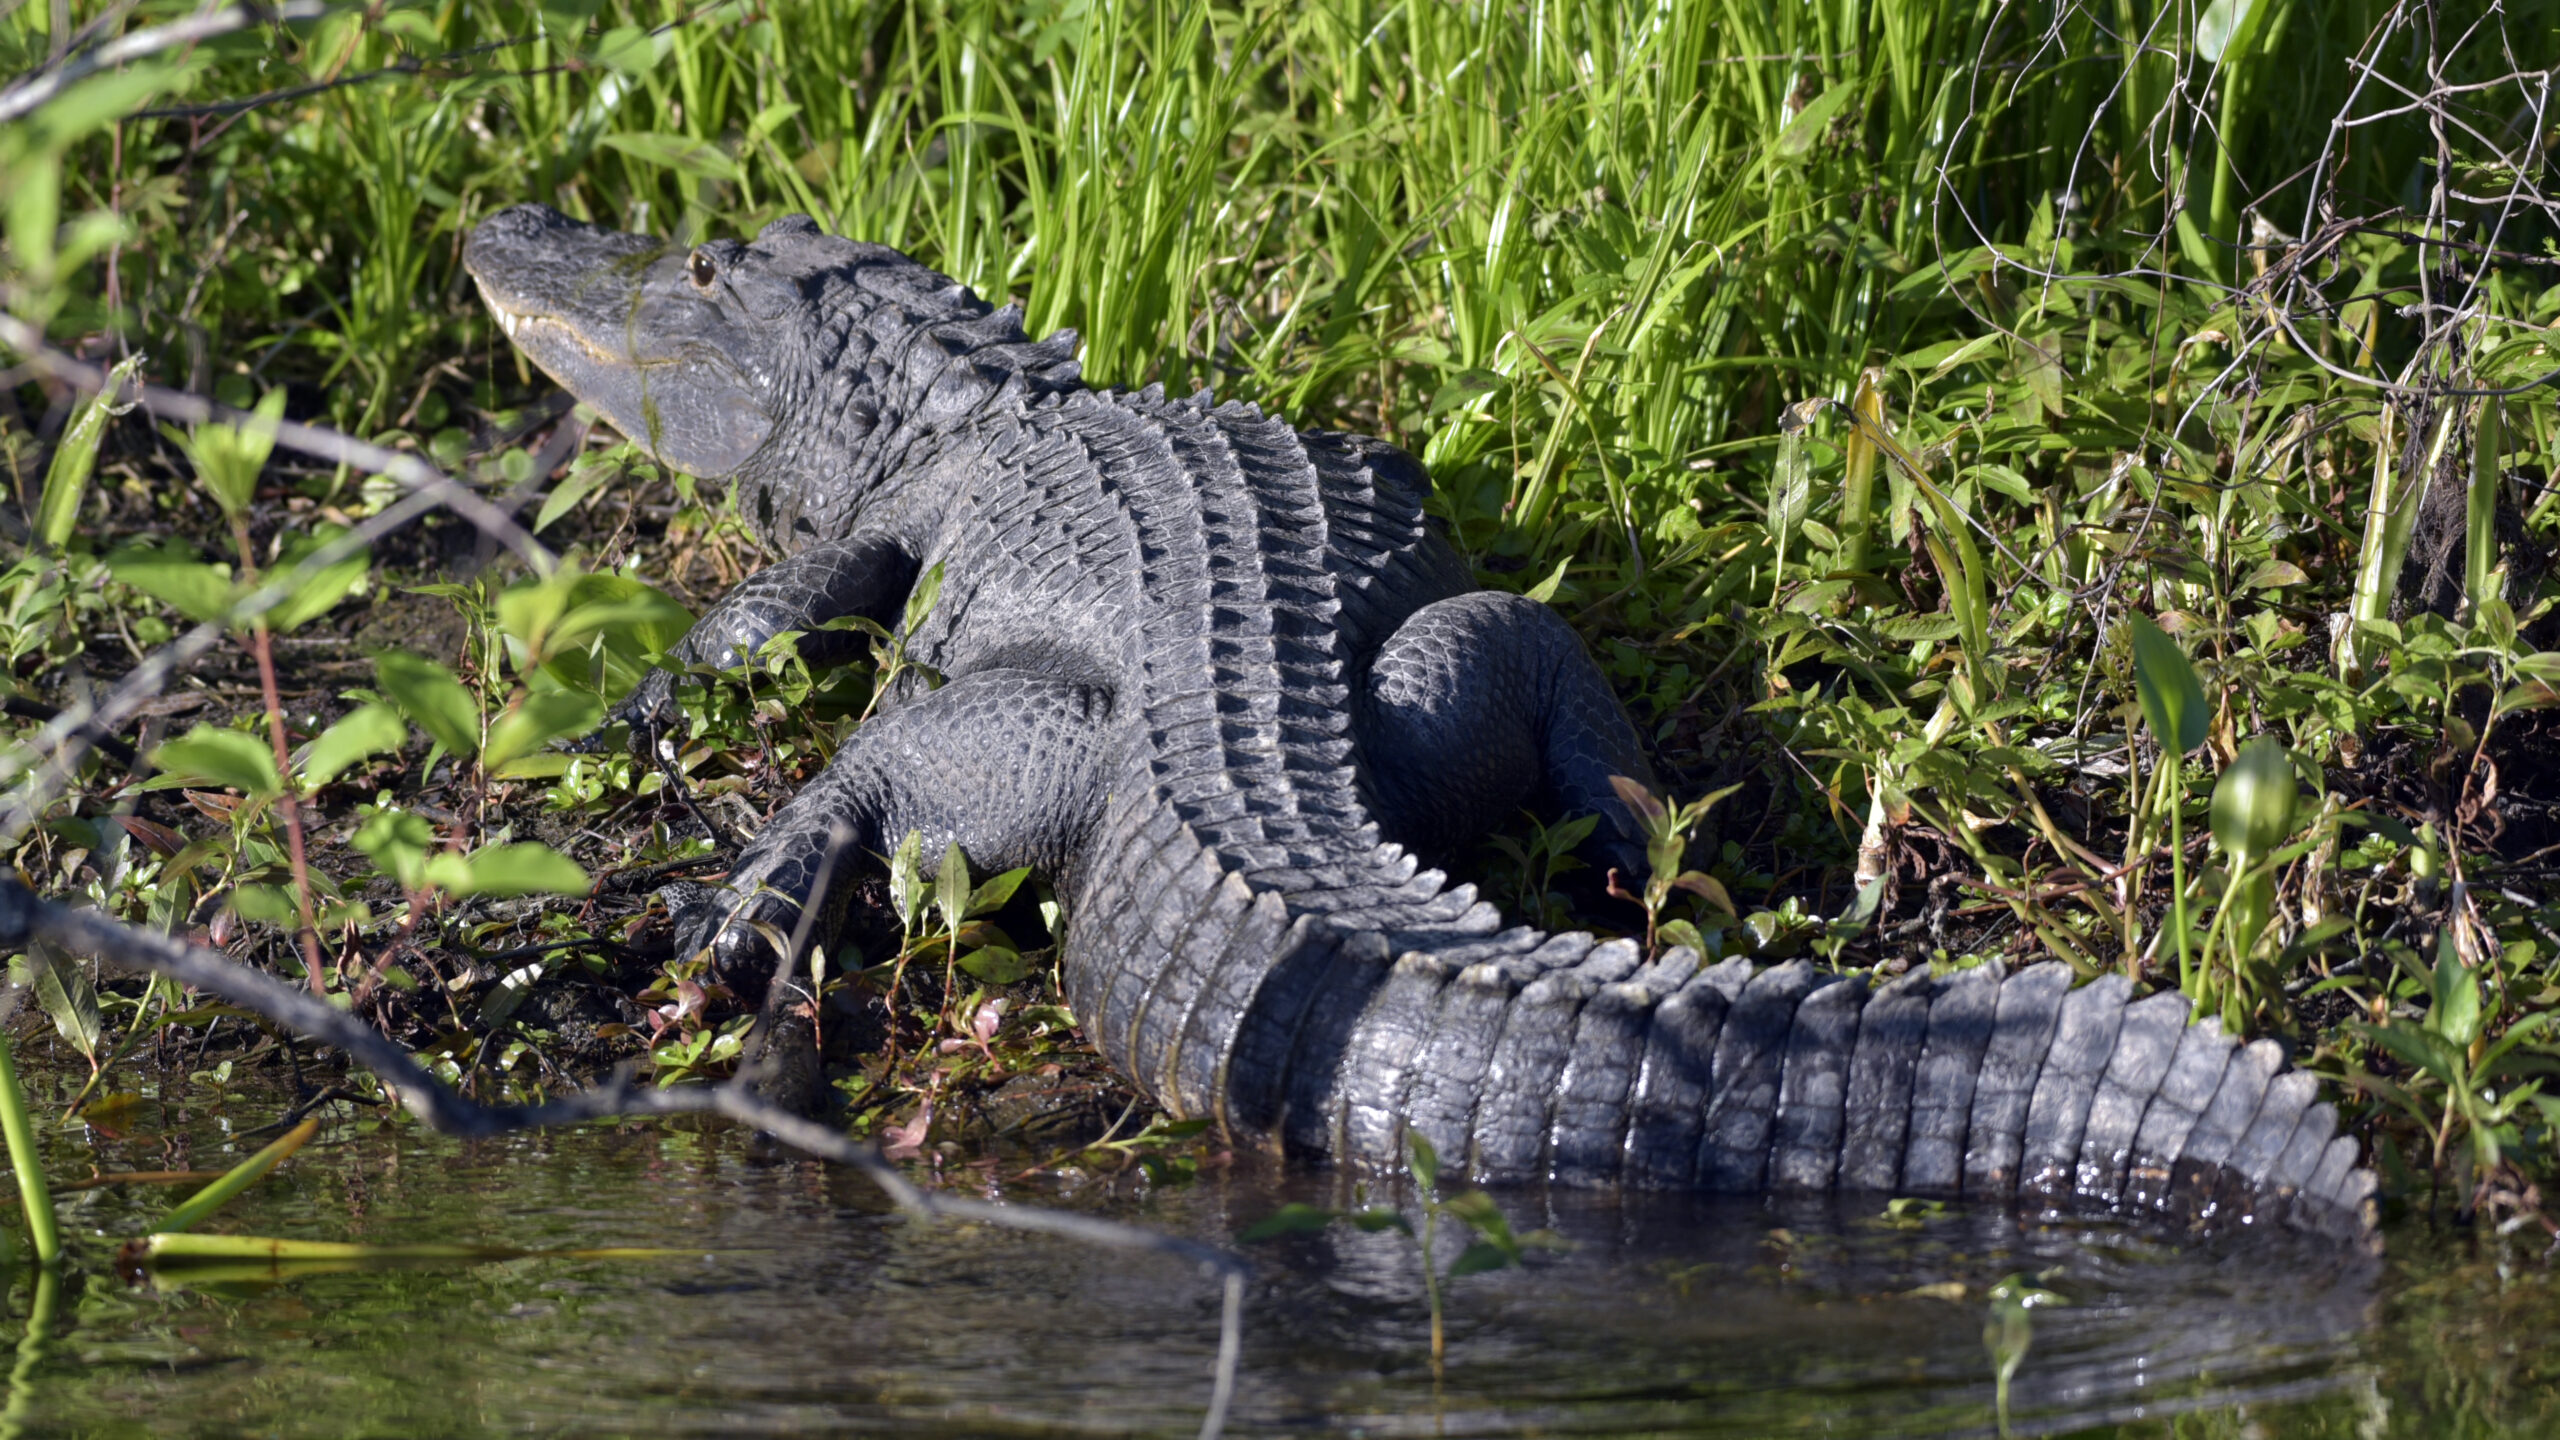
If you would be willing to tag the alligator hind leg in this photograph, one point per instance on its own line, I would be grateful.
(1001, 761)
(1485, 701)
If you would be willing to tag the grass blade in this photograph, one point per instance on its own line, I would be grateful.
(23, 1160)
(66, 480)
(238, 1178)
(1857, 495)
(215, 1261)
(2480, 528)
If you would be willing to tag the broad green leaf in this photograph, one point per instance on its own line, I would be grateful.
(685, 156)
(630, 49)
(1805, 131)
(1477, 1211)
(951, 888)
(35, 207)
(2455, 1015)
(526, 868)
(427, 693)
(177, 577)
(995, 964)
(2423, 1049)
(397, 843)
(2273, 574)
(1790, 489)
(906, 880)
(992, 896)
(364, 732)
(528, 609)
(317, 593)
(610, 634)
(2222, 22)
(566, 20)
(228, 457)
(267, 904)
(2172, 697)
(1480, 1257)
(66, 481)
(1424, 1159)
(210, 756)
(1294, 1218)
(921, 600)
(1380, 1217)
(537, 722)
(582, 482)
(2006, 481)
(101, 99)
(67, 994)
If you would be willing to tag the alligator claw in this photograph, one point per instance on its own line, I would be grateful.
(650, 710)
(732, 928)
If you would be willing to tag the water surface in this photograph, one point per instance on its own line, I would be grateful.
(792, 1302)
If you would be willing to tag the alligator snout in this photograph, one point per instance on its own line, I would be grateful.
(620, 323)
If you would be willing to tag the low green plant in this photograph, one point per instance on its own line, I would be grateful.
(26, 1163)
(946, 917)
(1533, 860)
(2467, 1055)
(2008, 1331)
(1491, 1243)
(1667, 830)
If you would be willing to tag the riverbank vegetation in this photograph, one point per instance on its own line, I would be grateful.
(2074, 477)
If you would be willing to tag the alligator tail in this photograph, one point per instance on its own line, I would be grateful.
(1332, 1019)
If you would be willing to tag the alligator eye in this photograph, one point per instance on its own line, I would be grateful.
(702, 270)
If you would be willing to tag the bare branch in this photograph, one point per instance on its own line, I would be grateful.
(327, 444)
(42, 86)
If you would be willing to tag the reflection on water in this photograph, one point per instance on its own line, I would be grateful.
(796, 1305)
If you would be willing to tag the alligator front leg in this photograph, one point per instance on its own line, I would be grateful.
(1003, 762)
(1481, 703)
(865, 575)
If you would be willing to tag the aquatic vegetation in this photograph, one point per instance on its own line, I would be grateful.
(1491, 1243)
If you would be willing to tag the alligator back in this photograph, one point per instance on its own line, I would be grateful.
(1243, 945)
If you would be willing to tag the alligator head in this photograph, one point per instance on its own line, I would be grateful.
(800, 359)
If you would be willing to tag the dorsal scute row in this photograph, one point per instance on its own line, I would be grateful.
(1243, 665)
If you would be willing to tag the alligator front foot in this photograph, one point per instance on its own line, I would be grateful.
(742, 934)
(648, 713)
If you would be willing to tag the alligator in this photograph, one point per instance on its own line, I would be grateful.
(1224, 684)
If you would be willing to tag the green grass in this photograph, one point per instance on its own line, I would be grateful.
(1616, 272)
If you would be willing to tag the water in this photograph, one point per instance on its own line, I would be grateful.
(794, 1304)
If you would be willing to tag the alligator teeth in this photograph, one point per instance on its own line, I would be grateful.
(507, 322)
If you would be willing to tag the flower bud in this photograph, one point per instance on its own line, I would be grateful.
(2253, 801)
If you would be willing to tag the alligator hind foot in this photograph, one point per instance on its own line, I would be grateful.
(1481, 703)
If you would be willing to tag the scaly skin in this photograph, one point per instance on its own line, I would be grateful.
(1222, 683)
